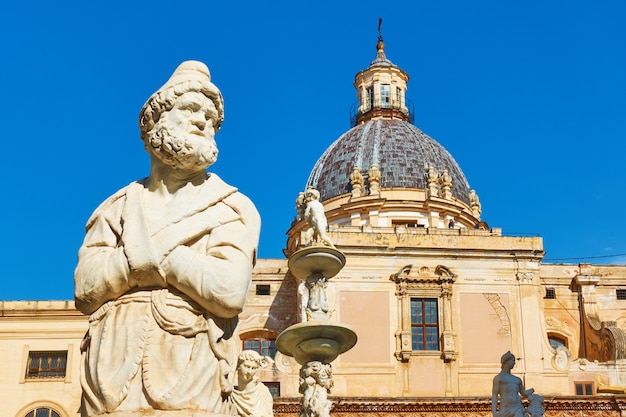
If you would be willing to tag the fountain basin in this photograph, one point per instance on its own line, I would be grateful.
(313, 260)
(316, 341)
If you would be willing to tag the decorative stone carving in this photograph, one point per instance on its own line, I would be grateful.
(165, 268)
(432, 180)
(501, 312)
(357, 182)
(603, 341)
(300, 206)
(317, 304)
(524, 277)
(373, 179)
(562, 359)
(446, 185)
(508, 388)
(303, 295)
(316, 342)
(535, 408)
(316, 218)
(315, 385)
(475, 204)
(250, 396)
(412, 281)
(589, 406)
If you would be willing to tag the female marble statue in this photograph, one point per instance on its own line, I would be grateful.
(250, 396)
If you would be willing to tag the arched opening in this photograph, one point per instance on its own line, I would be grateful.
(262, 341)
(557, 340)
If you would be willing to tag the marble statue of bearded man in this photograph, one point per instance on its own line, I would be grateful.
(165, 267)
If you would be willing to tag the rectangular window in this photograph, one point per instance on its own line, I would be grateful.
(550, 294)
(385, 95)
(262, 289)
(46, 364)
(584, 388)
(274, 388)
(621, 294)
(424, 324)
(369, 99)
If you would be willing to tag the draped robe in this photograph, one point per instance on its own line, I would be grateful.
(255, 401)
(163, 298)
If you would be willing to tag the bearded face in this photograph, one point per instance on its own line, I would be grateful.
(186, 152)
(183, 138)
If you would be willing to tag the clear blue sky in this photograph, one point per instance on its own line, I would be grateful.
(529, 97)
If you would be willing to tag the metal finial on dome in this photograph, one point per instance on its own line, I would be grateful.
(380, 46)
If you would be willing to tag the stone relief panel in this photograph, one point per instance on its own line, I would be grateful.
(485, 326)
(503, 315)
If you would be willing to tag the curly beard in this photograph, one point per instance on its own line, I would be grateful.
(187, 152)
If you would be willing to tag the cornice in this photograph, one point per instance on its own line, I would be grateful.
(605, 405)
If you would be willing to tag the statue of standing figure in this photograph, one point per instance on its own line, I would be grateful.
(165, 268)
(251, 397)
(508, 388)
(316, 218)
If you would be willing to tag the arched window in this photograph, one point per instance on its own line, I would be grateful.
(42, 412)
(261, 341)
(557, 340)
(265, 347)
(385, 95)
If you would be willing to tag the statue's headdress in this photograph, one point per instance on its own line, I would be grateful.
(189, 76)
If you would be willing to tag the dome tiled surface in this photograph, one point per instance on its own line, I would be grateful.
(401, 151)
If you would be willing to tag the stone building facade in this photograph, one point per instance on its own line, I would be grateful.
(434, 293)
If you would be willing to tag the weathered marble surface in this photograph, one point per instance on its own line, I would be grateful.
(315, 384)
(250, 396)
(312, 210)
(508, 388)
(165, 268)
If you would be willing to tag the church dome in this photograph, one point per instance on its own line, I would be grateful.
(383, 135)
(401, 151)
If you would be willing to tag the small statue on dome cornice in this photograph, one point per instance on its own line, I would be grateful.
(475, 204)
(373, 179)
(357, 182)
(446, 185)
(432, 181)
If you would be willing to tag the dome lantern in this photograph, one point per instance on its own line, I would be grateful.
(381, 90)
